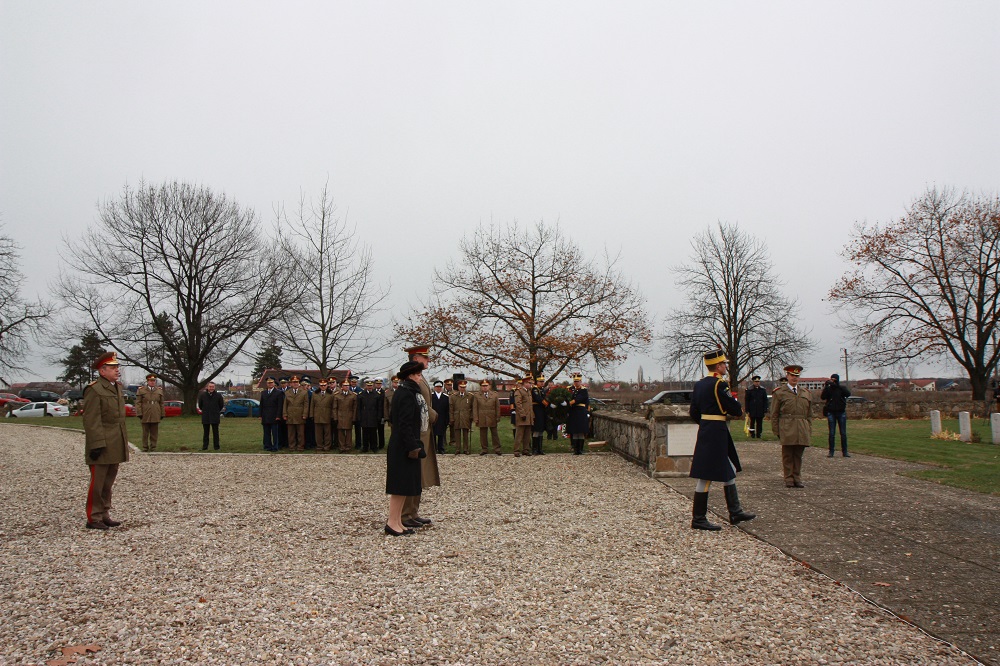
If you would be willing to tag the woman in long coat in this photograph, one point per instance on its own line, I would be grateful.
(408, 415)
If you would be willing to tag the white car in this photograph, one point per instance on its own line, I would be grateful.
(40, 409)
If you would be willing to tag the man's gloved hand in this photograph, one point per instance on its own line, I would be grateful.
(96, 453)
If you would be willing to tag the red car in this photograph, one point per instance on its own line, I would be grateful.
(10, 397)
(173, 407)
(129, 410)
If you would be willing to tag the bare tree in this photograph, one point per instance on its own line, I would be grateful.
(734, 303)
(20, 319)
(526, 300)
(925, 286)
(338, 321)
(174, 276)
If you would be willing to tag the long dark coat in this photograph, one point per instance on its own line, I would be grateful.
(441, 405)
(271, 406)
(714, 449)
(211, 406)
(756, 400)
(578, 420)
(370, 408)
(402, 473)
(539, 405)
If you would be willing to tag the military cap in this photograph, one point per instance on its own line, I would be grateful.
(378, 380)
(715, 356)
(794, 369)
(345, 383)
(418, 350)
(306, 380)
(369, 382)
(755, 378)
(462, 382)
(783, 381)
(485, 382)
(284, 380)
(107, 358)
(527, 378)
(151, 375)
(438, 383)
(295, 378)
(539, 378)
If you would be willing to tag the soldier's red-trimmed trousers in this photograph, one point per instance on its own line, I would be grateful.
(102, 478)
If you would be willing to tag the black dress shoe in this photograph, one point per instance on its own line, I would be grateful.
(112, 523)
(846, 455)
(798, 484)
(392, 532)
(96, 525)
(410, 522)
(829, 455)
(422, 521)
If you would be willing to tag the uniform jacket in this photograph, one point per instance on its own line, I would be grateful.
(714, 449)
(104, 423)
(539, 404)
(486, 410)
(295, 409)
(428, 466)
(211, 406)
(791, 416)
(271, 405)
(442, 405)
(149, 404)
(460, 410)
(756, 399)
(321, 407)
(370, 408)
(345, 408)
(524, 414)
(578, 419)
(387, 402)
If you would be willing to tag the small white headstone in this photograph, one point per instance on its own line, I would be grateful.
(964, 427)
(935, 422)
(995, 426)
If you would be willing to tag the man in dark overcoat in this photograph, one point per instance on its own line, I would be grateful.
(211, 404)
(370, 411)
(756, 401)
(106, 439)
(271, 406)
(715, 457)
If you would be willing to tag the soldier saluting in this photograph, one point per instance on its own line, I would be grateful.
(106, 439)
(715, 457)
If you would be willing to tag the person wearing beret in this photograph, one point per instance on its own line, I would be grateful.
(410, 415)
(429, 475)
(105, 439)
(715, 457)
(756, 401)
(150, 410)
(578, 419)
(791, 421)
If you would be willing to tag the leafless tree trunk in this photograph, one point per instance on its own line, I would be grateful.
(733, 302)
(926, 286)
(526, 300)
(177, 269)
(20, 319)
(337, 323)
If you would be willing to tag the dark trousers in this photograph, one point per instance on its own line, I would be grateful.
(834, 419)
(369, 439)
(438, 439)
(357, 435)
(381, 435)
(272, 436)
(283, 434)
(215, 435)
(310, 434)
(757, 426)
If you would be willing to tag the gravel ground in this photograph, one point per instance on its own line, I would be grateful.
(254, 559)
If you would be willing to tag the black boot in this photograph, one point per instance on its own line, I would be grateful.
(736, 512)
(698, 513)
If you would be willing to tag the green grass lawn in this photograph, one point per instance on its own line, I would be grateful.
(243, 435)
(973, 466)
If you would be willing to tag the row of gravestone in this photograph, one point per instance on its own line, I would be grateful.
(965, 425)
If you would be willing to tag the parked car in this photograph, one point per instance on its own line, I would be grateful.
(15, 399)
(72, 395)
(857, 400)
(129, 410)
(33, 409)
(242, 407)
(35, 395)
(173, 407)
(505, 406)
(670, 398)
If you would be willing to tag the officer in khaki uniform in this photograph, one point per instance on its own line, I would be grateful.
(791, 421)
(345, 406)
(106, 439)
(524, 417)
(429, 475)
(460, 417)
(296, 410)
(321, 412)
(149, 408)
(486, 414)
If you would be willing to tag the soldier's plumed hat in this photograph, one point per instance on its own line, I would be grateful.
(755, 378)
(418, 350)
(539, 378)
(151, 375)
(715, 356)
(410, 368)
(107, 358)
(794, 369)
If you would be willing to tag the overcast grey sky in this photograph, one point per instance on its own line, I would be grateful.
(634, 124)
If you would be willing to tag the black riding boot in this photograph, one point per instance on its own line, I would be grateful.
(538, 446)
(698, 514)
(736, 512)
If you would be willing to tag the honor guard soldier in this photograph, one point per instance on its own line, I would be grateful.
(106, 439)
(460, 417)
(791, 421)
(539, 404)
(524, 417)
(150, 410)
(578, 420)
(715, 457)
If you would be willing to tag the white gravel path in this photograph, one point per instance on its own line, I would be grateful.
(254, 559)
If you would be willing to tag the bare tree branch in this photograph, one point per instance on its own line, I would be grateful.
(20, 319)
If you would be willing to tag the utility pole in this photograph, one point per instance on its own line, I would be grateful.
(847, 375)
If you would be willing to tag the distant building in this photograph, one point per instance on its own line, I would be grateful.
(924, 385)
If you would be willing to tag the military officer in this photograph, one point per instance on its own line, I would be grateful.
(460, 417)
(715, 457)
(356, 390)
(385, 413)
(429, 475)
(486, 414)
(524, 417)
(370, 411)
(387, 398)
(449, 388)
(106, 439)
(149, 408)
(295, 410)
(578, 419)
(791, 421)
(321, 412)
(346, 408)
(539, 404)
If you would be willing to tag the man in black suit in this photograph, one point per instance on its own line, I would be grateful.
(370, 411)
(271, 400)
(756, 399)
(440, 404)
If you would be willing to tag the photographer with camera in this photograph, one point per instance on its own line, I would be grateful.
(835, 410)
